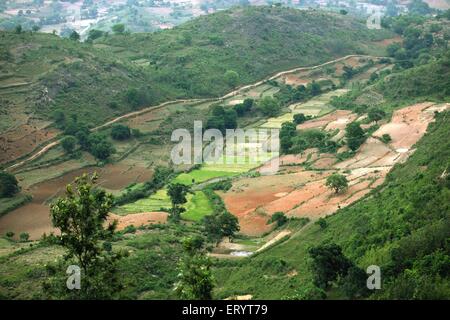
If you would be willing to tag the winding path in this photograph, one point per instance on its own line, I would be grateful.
(47, 147)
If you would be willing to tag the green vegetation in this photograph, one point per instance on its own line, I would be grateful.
(80, 216)
(355, 136)
(9, 185)
(89, 78)
(195, 280)
(402, 228)
(337, 182)
(177, 193)
(120, 132)
(293, 141)
(197, 207)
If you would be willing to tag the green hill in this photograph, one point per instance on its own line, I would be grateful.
(118, 73)
(403, 227)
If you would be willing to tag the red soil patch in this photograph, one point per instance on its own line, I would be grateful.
(338, 118)
(22, 140)
(294, 80)
(138, 219)
(34, 218)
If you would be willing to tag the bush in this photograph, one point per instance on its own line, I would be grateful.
(24, 237)
(278, 217)
(120, 132)
(386, 138)
(68, 143)
(9, 185)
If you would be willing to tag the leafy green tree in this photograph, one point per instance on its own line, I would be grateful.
(386, 138)
(120, 132)
(376, 114)
(299, 118)
(328, 263)
(18, 29)
(118, 28)
(9, 185)
(287, 132)
(10, 234)
(68, 143)
(269, 106)
(229, 224)
(278, 217)
(74, 36)
(99, 146)
(322, 223)
(354, 284)
(219, 225)
(314, 88)
(81, 217)
(177, 193)
(95, 34)
(337, 182)
(195, 279)
(355, 135)
(231, 78)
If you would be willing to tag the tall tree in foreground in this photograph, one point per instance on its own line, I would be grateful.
(81, 217)
(195, 277)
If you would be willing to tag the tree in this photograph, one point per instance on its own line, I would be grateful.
(269, 106)
(299, 118)
(9, 185)
(229, 224)
(376, 114)
(355, 135)
(337, 182)
(328, 263)
(99, 146)
(219, 225)
(81, 217)
(95, 34)
(68, 143)
(74, 36)
(314, 88)
(195, 279)
(278, 217)
(322, 223)
(354, 284)
(35, 28)
(386, 138)
(118, 28)
(231, 78)
(18, 29)
(177, 193)
(120, 132)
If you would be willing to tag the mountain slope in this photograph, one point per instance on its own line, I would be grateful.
(41, 73)
(253, 41)
(402, 226)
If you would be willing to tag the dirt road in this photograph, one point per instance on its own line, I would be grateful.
(145, 110)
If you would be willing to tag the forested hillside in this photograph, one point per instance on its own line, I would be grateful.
(209, 56)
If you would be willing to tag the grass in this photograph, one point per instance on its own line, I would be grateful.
(201, 175)
(197, 207)
(153, 203)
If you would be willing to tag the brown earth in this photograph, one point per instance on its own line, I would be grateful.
(301, 193)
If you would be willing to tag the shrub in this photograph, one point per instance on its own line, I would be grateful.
(120, 132)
